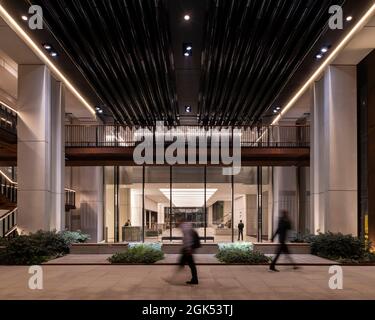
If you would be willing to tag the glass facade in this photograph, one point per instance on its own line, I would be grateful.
(147, 203)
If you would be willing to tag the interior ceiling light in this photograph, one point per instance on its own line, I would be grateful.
(324, 49)
(319, 56)
(188, 109)
(186, 54)
(54, 54)
(25, 18)
(349, 18)
(343, 43)
(193, 198)
(188, 48)
(186, 17)
(37, 50)
(47, 46)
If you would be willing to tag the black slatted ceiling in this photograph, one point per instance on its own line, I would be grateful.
(253, 47)
(122, 47)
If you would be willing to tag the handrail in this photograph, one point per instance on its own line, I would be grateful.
(15, 183)
(8, 118)
(7, 178)
(8, 223)
(7, 214)
(281, 136)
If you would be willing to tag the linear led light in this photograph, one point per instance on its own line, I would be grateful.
(24, 36)
(361, 23)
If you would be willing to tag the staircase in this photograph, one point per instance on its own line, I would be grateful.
(8, 206)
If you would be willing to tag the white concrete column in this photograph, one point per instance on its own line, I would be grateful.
(88, 184)
(161, 207)
(136, 207)
(40, 158)
(334, 151)
(57, 156)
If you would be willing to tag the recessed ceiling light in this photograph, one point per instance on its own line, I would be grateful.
(100, 111)
(349, 18)
(186, 54)
(189, 48)
(319, 56)
(25, 18)
(324, 49)
(54, 54)
(47, 46)
(278, 108)
(187, 17)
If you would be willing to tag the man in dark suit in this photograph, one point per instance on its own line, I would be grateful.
(240, 230)
(282, 231)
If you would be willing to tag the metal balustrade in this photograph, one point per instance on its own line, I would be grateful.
(8, 190)
(123, 136)
(8, 119)
(8, 223)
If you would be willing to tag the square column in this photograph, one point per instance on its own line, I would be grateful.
(334, 152)
(40, 154)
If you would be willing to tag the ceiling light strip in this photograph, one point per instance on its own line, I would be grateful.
(361, 23)
(33, 46)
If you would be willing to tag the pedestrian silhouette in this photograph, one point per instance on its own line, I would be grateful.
(282, 231)
(240, 230)
(190, 242)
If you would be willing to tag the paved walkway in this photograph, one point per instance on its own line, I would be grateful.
(79, 259)
(216, 282)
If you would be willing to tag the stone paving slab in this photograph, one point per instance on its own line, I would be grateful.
(200, 259)
(162, 282)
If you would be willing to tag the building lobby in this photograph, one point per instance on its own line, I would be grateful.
(290, 90)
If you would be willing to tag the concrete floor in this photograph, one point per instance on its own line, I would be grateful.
(216, 282)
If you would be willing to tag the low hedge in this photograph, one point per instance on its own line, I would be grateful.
(341, 248)
(139, 253)
(240, 252)
(36, 248)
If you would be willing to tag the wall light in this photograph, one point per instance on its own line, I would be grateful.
(37, 50)
(344, 42)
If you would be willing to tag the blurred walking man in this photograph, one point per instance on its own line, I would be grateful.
(282, 231)
(190, 243)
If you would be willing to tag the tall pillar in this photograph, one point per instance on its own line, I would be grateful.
(40, 158)
(334, 151)
(136, 207)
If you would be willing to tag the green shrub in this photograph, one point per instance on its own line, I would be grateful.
(138, 253)
(38, 247)
(244, 253)
(34, 248)
(246, 246)
(343, 248)
(74, 236)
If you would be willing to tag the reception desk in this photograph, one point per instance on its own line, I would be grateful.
(131, 234)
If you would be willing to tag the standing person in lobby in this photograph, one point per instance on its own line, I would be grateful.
(190, 242)
(240, 230)
(282, 231)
